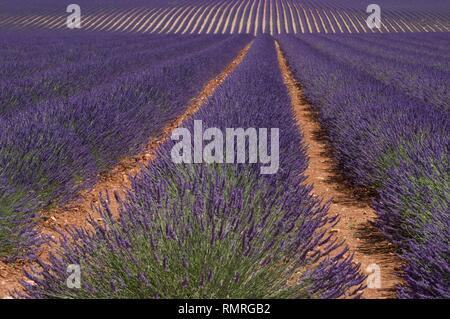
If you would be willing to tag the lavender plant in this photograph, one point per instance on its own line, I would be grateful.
(414, 213)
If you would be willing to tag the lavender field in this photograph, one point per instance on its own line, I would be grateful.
(321, 170)
(232, 16)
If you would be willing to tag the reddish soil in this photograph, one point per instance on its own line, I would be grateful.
(353, 208)
(76, 213)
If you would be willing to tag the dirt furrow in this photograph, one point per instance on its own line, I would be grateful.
(374, 253)
(76, 213)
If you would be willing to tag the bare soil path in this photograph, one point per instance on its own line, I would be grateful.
(76, 212)
(369, 247)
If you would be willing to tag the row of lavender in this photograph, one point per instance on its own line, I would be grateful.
(52, 148)
(214, 230)
(388, 121)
